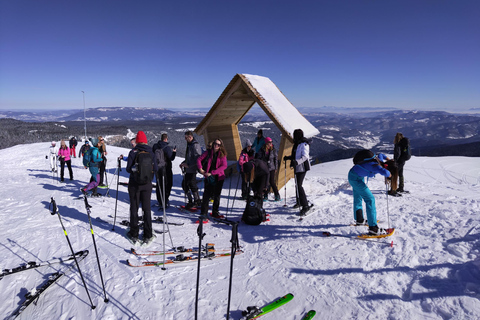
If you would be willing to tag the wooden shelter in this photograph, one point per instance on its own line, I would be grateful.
(236, 100)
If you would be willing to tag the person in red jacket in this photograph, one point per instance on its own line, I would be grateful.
(214, 175)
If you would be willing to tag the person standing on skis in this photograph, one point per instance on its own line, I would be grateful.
(189, 183)
(142, 167)
(299, 161)
(366, 164)
(91, 160)
(214, 174)
(53, 150)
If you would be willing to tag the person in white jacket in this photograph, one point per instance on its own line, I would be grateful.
(299, 161)
(53, 151)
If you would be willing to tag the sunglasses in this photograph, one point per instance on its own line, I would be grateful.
(217, 144)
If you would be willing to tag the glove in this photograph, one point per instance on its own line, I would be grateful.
(294, 163)
(287, 158)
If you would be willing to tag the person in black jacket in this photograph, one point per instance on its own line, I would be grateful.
(73, 145)
(165, 173)
(400, 156)
(140, 193)
(257, 174)
(269, 154)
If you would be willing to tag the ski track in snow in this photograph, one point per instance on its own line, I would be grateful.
(431, 272)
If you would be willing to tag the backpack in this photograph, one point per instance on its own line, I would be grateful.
(88, 160)
(406, 151)
(144, 167)
(254, 214)
(160, 159)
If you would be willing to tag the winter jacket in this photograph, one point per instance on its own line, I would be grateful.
(244, 157)
(84, 149)
(261, 168)
(53, 151)
(191, 155)
(302, 157)
(271, 158)
(72, 142)
(64, 153)
(371, 168)
(221, 164)
(96, 159)
(131, 160)
(258, 144)
(397, 150)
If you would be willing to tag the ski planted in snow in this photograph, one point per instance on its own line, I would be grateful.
(254, 312)
(34, 264)
(33, 295)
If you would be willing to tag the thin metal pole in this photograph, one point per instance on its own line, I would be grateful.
(84, 115)
(55, 211)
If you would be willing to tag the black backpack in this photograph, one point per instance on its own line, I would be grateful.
(160, 159)
(254, 213)
(144, 165)
(405, 152)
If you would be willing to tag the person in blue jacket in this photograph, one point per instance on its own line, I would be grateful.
(259, 141)
(366, 164)
(91, 160)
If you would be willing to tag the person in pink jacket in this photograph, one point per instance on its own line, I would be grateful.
(64, 157)
(214, 175)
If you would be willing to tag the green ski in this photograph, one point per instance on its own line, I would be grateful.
(310, 314)
(255, 312)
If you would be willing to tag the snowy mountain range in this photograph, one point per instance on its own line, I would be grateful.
(428, 269)
(431, 133)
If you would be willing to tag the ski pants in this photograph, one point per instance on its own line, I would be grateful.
(73, 152)
(301, 196)
(214, 191)
(190, 183)
(272, 183)
(62, 169)
(140, 195)
(362, 192)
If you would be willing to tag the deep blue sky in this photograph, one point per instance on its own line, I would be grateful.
(422, 54)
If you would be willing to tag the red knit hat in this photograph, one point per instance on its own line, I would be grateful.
(141, 137)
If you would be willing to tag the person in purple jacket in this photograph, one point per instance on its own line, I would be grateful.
(214, 175)
(366, 164)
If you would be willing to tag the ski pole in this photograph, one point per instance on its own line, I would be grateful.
(235, 246)
(235, 196)
(285, 185)
(55, 211)
(116, 196)
(200, 237)
(229, 188)
(388, 211)
(87, 207)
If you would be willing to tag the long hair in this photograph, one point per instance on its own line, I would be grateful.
(398, 137)
(221, 150)
(63, 145)
(250, 177)
(391, 166)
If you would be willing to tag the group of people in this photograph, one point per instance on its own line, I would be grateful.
(257, 165)
(62, 154)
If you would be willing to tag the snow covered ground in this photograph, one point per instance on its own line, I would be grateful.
(431, 272)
